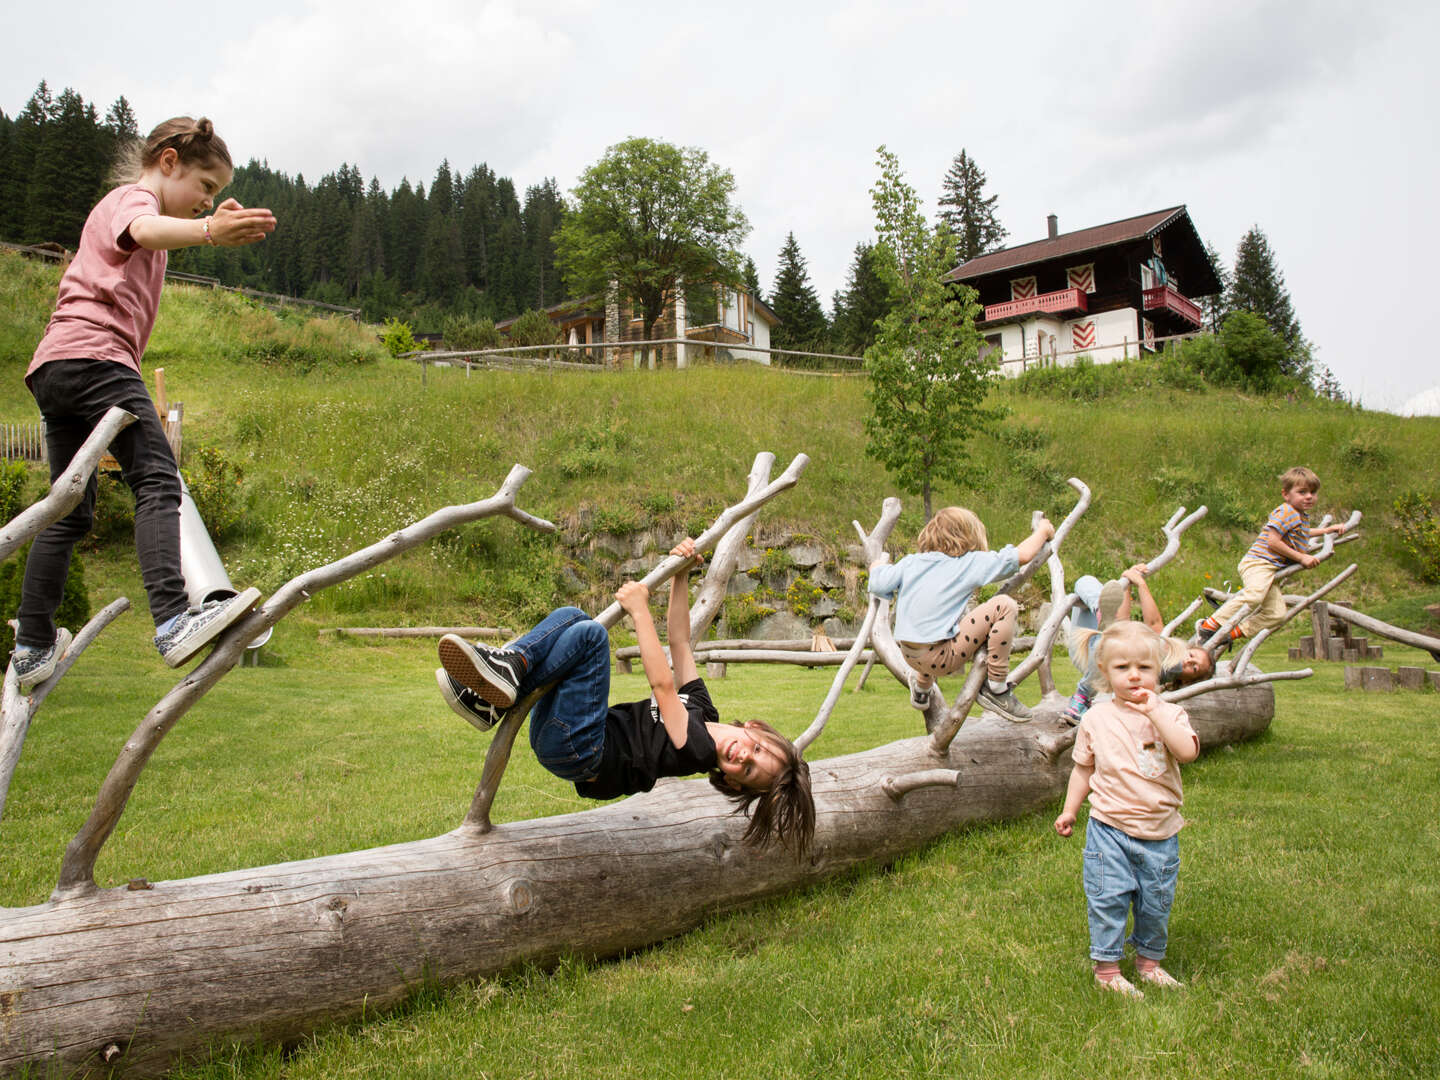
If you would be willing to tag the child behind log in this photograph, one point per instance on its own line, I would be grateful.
(933, 587)
(608, 751)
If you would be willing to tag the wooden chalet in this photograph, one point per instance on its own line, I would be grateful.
(1106, 292)
(735, 327)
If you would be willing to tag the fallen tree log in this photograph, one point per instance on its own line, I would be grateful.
(138, 978)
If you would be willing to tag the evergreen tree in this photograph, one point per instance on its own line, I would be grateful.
(1214, 304)
(1258, 286)
(67, 171)
(26, 134)
(802, 319)
(750, 279)
(967, 211)
(865, 300)
(544, 210)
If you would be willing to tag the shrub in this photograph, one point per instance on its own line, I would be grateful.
(463, 334)
(13, 477)
(1366, 449)
(743, 612)
(398, 338)
(1420, 533)
(214, 482)
(534, 328)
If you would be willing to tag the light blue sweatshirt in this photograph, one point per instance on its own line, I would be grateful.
(934, 589)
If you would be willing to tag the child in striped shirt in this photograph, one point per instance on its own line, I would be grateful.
(1285, 539)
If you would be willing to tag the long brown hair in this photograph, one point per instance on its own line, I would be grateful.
(194, 141)
(785, 811)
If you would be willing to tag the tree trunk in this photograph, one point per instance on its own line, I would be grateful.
(142, 977)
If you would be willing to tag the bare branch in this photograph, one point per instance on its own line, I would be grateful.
(1384, 629)
(67, 491)
(710, 598)
(1169, 628)
(1051, 546)
(77, 870)
(1173, 530)
(671, 564)
(817, 725)
(946, 730)
(1254, 643)
(897, 787)
(17, 710)
(1230, 682)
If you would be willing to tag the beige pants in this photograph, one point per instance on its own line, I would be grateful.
(1260, 593)
(993, 624)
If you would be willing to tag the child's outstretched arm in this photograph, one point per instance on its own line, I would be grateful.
(1149, 610)
(230, 226)
(1075, 792)
(677, 615)
(1028, 548)
(634, 597)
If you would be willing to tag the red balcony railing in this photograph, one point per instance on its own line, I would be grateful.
(1163, 296)
(1054, 302)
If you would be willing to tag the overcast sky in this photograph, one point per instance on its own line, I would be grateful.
(1314, 120)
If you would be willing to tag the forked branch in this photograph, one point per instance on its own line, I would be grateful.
(77, 871)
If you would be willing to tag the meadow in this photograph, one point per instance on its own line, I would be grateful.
(1306, 926)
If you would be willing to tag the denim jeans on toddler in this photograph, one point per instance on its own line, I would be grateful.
(567, 725)
(73, 395)
(1121, 873)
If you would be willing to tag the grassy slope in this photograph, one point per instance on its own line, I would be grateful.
(1306, 921)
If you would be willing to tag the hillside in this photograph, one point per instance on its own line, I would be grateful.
(321, 443)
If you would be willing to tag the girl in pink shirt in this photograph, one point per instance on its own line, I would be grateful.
(89, 360)
(1127, 761)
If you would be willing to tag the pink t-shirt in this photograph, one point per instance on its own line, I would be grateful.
(111, 290)
(1136, 784)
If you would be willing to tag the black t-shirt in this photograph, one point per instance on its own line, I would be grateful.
(638, 751)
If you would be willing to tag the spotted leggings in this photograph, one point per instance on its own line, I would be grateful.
(993, 623)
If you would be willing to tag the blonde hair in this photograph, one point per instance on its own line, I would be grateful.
(1122, 635)
(1299, 477)
(953, 531)
(194, 142)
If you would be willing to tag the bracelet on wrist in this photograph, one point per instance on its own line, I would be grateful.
(205, 222)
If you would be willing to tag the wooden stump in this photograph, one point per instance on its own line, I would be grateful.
(1377, 678)
(1410, 678)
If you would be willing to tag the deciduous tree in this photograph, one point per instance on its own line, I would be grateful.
(928, 380)
(649, 216)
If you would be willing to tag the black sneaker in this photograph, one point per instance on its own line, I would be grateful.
(466, 702)
(492, 673)
(33, 666)
(192, 630)
(1006, 704)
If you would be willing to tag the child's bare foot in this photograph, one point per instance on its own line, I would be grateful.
(1151, 972)
(1108, 977)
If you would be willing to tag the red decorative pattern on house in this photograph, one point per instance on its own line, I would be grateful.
(1022, 288)
(1082, 335)
(1149, 334)
(1155, 244)
(1081, 277)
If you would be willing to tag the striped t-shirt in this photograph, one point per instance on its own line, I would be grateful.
(1293, 528)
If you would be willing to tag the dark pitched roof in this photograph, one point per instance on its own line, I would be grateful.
(1143, 226)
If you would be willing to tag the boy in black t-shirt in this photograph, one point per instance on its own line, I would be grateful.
(611, 750)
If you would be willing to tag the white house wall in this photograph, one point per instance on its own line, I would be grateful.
(1116, 335)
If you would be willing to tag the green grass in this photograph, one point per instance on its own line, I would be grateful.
(1306, 926)
(1306, 923)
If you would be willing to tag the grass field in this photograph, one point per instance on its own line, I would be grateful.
(1306, 925)
(1308, 920)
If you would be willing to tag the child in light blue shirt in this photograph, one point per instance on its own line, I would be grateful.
(931, 589)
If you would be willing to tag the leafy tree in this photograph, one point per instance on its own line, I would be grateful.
(928, 380)
(802, 320)
(649, 216)
(1258, 286)
(864, 302)
(967, 211)
(534, 328)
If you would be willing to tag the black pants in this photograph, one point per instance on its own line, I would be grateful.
(73, 395)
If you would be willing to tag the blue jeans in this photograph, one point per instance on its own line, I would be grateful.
(1122, 873)
(73, 395)
(567, 725)
(1085, 616)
